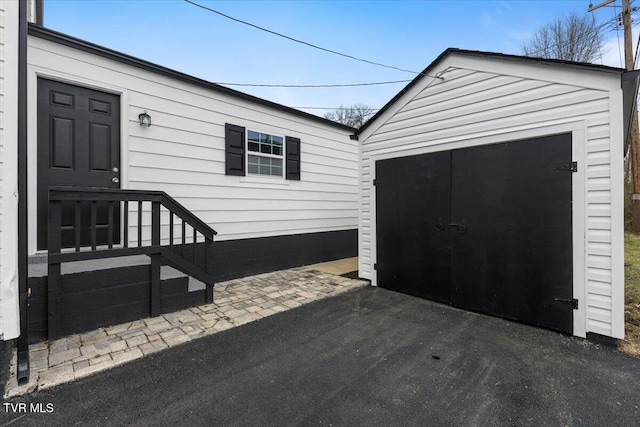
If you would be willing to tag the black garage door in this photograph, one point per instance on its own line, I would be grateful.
(485, 228)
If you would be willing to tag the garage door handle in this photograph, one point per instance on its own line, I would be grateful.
(461, 228)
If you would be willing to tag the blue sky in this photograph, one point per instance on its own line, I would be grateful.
(406, 34)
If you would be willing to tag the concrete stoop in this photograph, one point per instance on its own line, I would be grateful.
(38, 267)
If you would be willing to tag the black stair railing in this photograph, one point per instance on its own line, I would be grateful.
(94, 240)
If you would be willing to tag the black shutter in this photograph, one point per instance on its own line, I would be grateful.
(234, 148)
(293, 158)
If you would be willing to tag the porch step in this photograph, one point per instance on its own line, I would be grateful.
(38, 267)
(102, 297)
(38, 264)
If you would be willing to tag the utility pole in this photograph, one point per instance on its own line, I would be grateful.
(634, 150)
(634, 143)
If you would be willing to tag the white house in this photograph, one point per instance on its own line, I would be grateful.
(278, 185)
(495, 183)
(247, 192)
(491, 182)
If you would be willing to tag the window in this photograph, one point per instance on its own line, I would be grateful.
(265, 154)
(258, 153)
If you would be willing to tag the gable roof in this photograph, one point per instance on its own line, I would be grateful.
(478, 53)
(75, 43)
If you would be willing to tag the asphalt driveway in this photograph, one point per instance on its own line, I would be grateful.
(366, 357)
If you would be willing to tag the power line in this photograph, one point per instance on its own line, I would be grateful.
(635, 59)
(615, 17)
(593, 31)
(587, 33)
(593, 23)
(307, 43)
(313, 86)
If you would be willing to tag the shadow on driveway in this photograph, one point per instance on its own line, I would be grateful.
(367, 357)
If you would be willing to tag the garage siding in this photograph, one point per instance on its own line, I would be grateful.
(183, 152)
(470, 104)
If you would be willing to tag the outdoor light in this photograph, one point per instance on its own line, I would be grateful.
(145, 119)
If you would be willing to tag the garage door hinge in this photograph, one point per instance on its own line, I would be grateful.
(571, 302)
(375, 266)
(573, 167)
(375, 182)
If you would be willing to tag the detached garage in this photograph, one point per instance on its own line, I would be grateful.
(495, 183)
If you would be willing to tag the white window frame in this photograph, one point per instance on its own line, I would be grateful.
(266, 155)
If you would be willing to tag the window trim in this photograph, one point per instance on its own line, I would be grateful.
(282, 157)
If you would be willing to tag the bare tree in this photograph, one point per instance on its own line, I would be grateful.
(571, 38)
(354, 116)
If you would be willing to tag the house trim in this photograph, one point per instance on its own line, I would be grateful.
(22, 373)
(281, 252)
(63, 39)
(33, 74)
(35, 11)
(617, 138)
(10, 280)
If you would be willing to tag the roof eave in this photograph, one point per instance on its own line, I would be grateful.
(85, 46)
(451, 50)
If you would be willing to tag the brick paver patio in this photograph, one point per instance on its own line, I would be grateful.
(236, 302)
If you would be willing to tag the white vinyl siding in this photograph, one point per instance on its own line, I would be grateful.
(471, 106)
(183, 152)
(2, 139)
(9, 315)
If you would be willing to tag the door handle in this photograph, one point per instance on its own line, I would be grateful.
(115, 180)
(461, 228)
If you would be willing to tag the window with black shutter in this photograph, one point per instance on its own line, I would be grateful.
(249, 152)
(235, 149)
(293, 158)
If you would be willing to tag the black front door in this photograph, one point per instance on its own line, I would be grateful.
(503, 217)
(78, 145)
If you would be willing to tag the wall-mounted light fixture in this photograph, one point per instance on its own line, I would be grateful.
(145, 119)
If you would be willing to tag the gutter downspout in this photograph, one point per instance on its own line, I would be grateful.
(23, 339)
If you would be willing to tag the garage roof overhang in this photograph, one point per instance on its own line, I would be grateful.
(429, 71)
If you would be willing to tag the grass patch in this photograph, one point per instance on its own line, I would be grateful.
(631, 343)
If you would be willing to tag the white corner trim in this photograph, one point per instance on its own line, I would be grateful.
(616, 138)
(360, 213)
(579, 227)
(9, 292)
